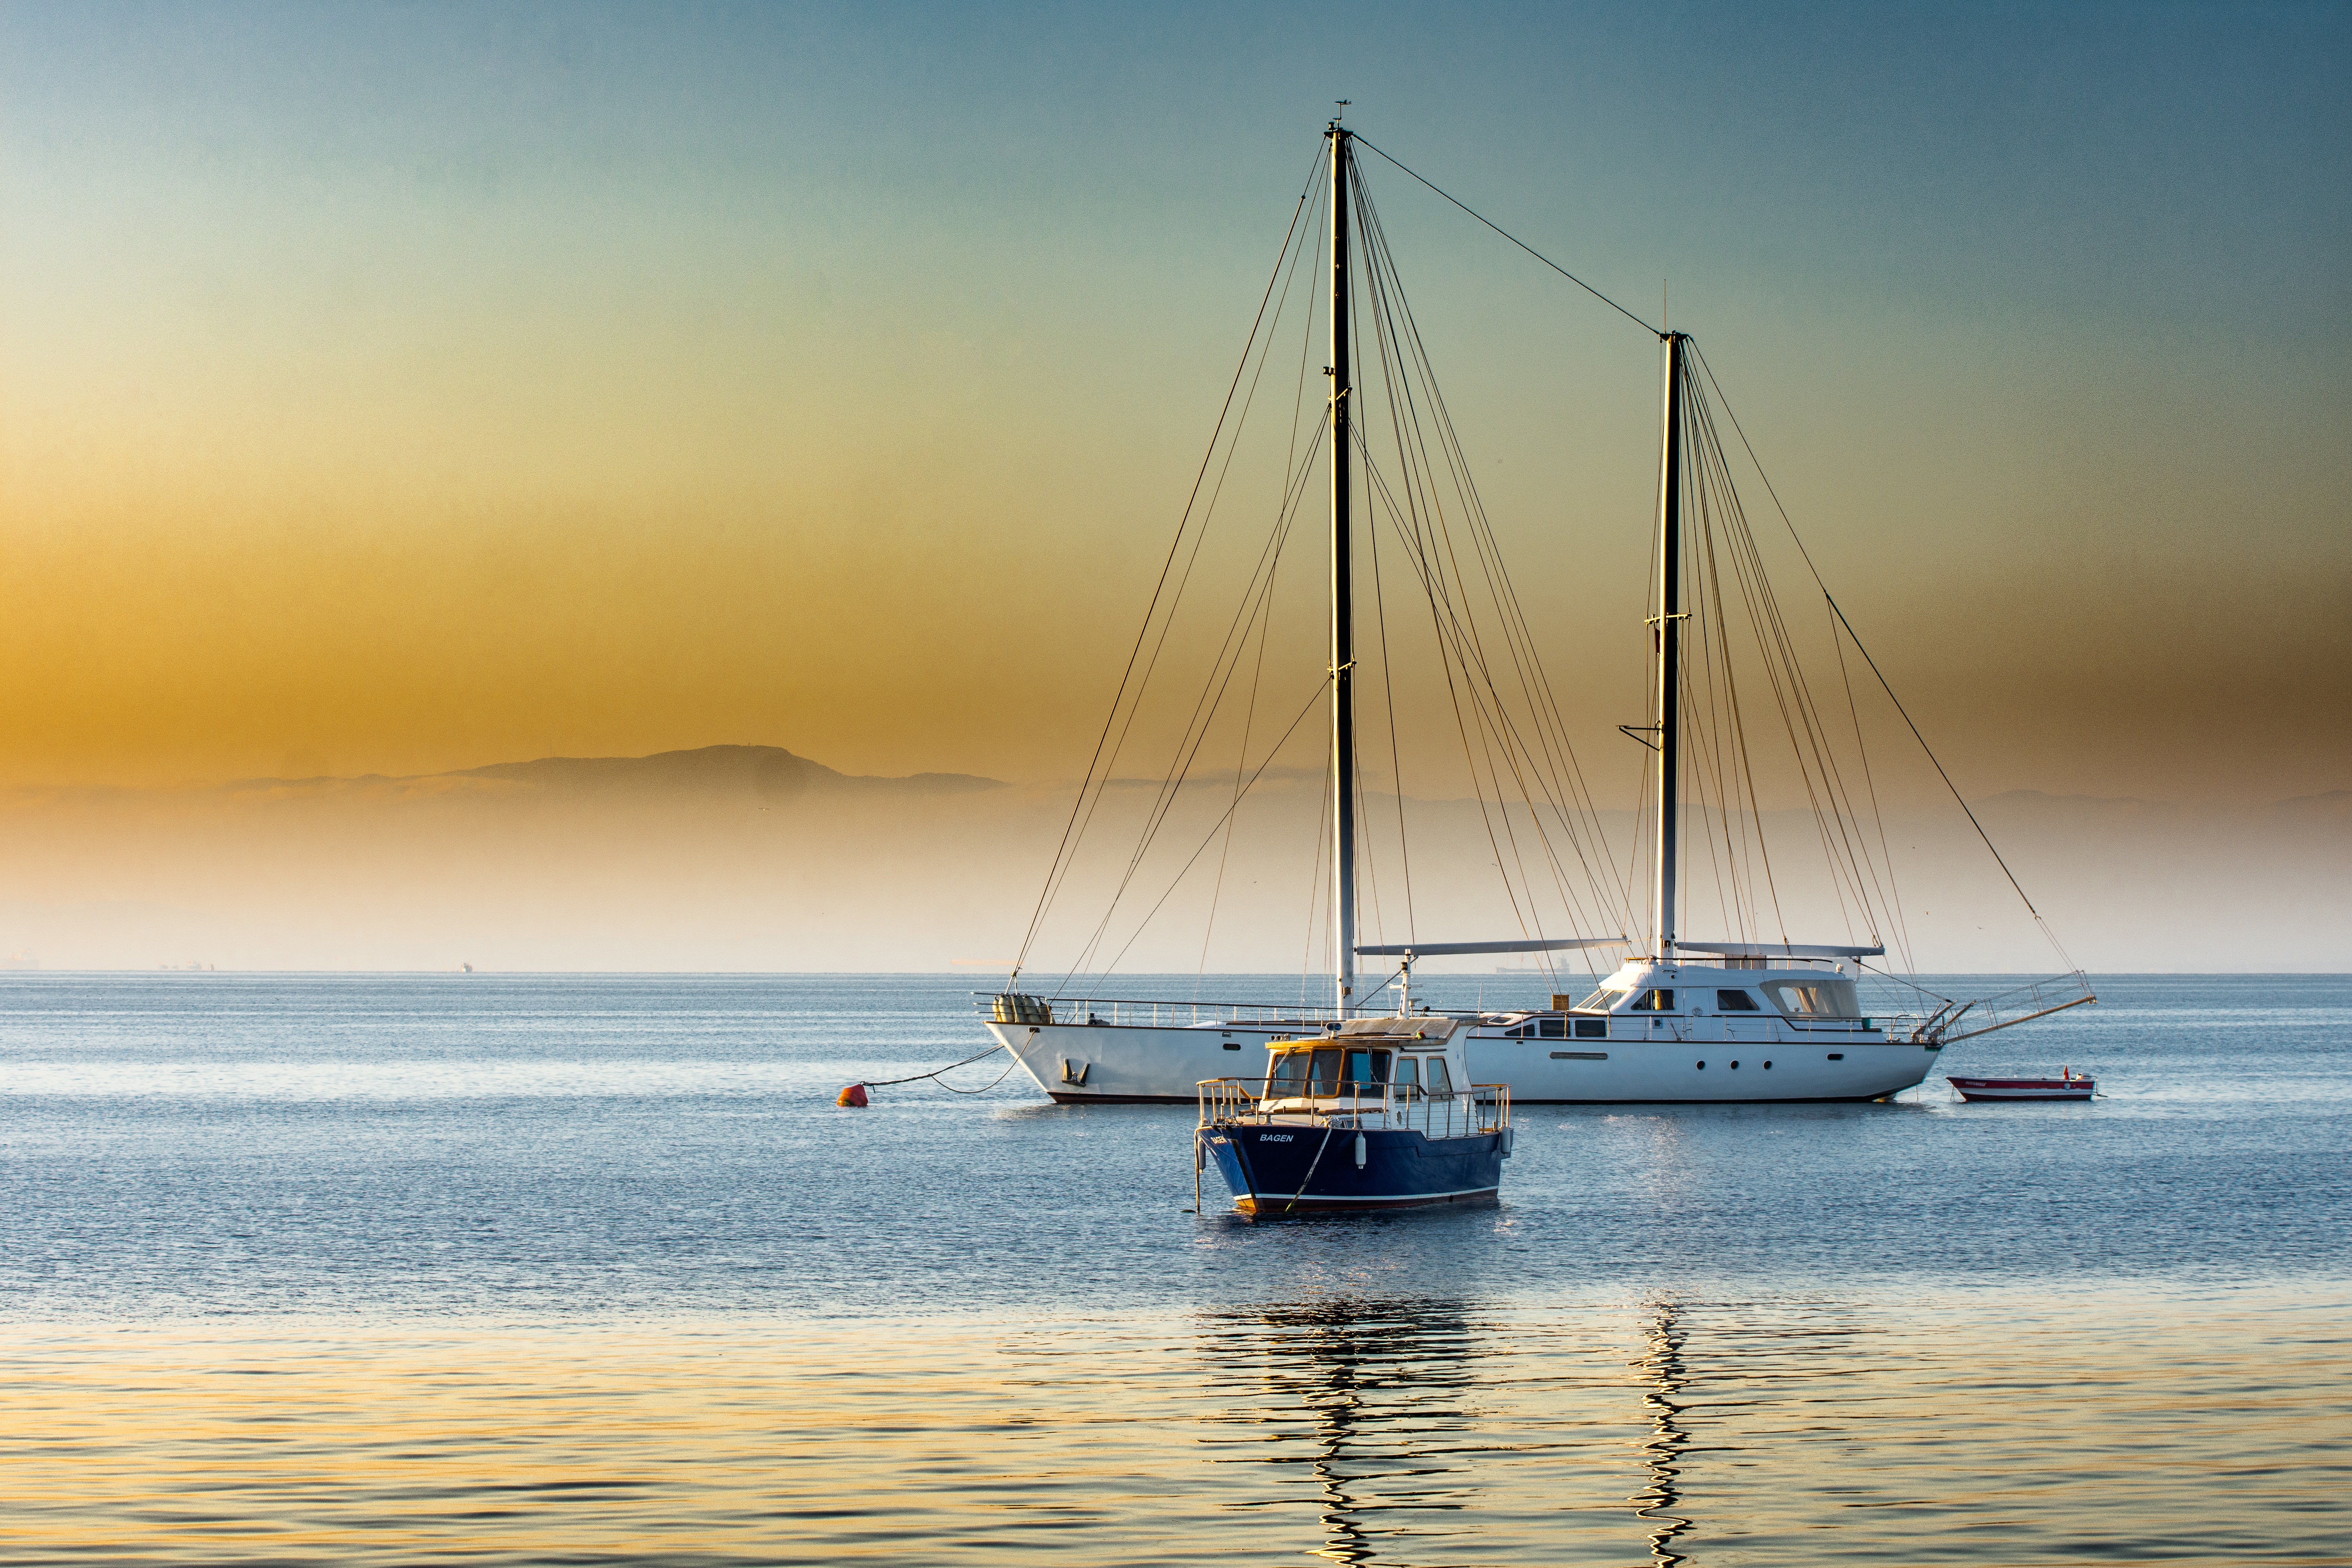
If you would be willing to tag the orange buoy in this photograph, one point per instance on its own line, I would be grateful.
(854, 1095)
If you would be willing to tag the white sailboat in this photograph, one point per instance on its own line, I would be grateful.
(1680, 1020)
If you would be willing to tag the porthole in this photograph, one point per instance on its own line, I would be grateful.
(1702, 1066)
(1232, 1045)
(1837, 1056)
(1734, 1066)
(1768, 1067)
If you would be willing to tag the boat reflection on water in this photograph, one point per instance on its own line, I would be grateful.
(1361, 1410)
(1662, 1366)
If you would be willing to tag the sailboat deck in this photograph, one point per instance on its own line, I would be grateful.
(1015, 1007)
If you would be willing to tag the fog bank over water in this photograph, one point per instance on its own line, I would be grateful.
(751, 858)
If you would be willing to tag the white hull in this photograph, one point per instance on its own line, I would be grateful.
(1655, 1062)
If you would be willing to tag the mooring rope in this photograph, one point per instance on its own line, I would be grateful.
(935, 1072)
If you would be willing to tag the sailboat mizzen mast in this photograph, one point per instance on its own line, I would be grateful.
(1343, 656)
(1669, 623)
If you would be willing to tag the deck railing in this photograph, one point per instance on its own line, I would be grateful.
(2034, 999)
(1018, 1007)
(1480, 1108)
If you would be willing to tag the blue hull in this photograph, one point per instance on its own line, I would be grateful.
(1274, 1169)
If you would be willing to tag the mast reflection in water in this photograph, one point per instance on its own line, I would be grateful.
(1365, 1409)
(1655, 1503)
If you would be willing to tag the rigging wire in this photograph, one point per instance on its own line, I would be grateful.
(1396, 763)
(1210, 698)
(1836, 609)
(1291, 463)
(1213, 827)
(1241, 760)
(1782, 666)
(1257, 604)
(1518, 634)
(1523, 245)
(1057, 871)
(1902, 928)
(1420, 516)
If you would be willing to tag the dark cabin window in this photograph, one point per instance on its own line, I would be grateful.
(1553, 1028)
(1655, 1001)
(1592, 1028)
(1519, 1031)
(1325, 1079)
(1735, 1001)
(1368, 1066)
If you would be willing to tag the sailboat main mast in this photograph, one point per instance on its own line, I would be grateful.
(1670, 645)
(1343, 656)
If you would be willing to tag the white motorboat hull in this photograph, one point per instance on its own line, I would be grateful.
(1703, 1061)
(1668, 1061)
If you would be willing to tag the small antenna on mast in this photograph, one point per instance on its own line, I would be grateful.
(1343, 104)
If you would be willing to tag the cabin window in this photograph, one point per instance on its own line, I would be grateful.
(1368, 1066)
(1592, 1028)
(1815, 998)
(1289, 1073)
(1519, 1031)
(1553, 1028)
(1441, 1082)
(1325, 1077)
(1604, 1001)
(1408, 1078)
(1655, 1001)
(1735, 1001)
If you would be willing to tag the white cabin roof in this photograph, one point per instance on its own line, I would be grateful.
(1780, 950)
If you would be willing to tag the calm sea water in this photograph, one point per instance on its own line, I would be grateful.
(590, 1269)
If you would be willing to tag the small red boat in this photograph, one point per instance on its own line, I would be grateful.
(2066, 1086)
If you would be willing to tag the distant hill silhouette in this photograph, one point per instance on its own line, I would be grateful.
(769, 772)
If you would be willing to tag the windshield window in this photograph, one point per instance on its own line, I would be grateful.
(1289, 1073)
(1601, 1001)
(1815, 998)
(1368, 1066)
(1325, 1073)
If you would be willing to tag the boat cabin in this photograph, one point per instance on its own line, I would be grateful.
(1737, 994)
(1336, 1068)
(1406, 1071)
(1706, 988)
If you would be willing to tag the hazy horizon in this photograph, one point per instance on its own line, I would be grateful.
(744, 860)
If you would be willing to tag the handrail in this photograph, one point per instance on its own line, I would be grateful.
(1017, 1007)
(1477, 1109)
(2019, 1005)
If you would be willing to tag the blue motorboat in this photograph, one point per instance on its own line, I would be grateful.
(1376, 1113)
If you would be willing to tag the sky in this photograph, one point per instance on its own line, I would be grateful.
(411, 387)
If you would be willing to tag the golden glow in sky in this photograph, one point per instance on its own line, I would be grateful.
(393, 391)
